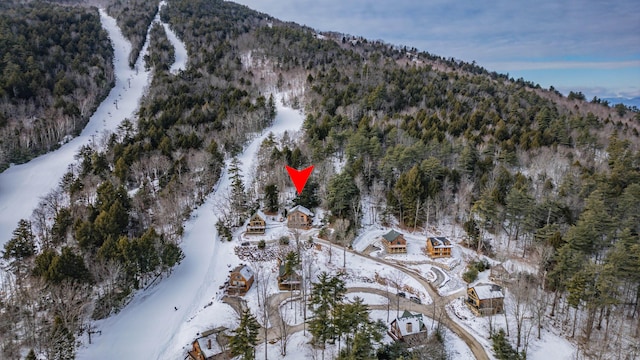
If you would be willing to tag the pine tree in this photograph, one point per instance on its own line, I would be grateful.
(238, 195)
(502, 349)
(31, 355)
(271, 198)
(22, 243)
(245, 337)
(61, 344)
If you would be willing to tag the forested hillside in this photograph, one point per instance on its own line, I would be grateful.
(421, 140)
(133, 17)
(56, 67)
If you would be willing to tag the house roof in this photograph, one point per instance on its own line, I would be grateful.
(391, 235)
(281, 272)
(417, 320)
(440, 242)
(488, 291)
(259, 214)
(204, 343)
(245, 271)
(302, 209)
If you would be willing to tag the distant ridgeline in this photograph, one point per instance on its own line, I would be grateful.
(427, 139)
(56, 67)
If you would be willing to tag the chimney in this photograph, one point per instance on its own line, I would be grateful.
(209, 344)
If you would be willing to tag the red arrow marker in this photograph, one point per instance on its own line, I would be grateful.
(299, 177)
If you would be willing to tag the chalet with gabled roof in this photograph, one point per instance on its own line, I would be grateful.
(288, 280)
(409, 328)
(499, 274)
(485, 299)
(240, 280)
(257, 223)
(207, 346)
(299, 217)
(438, 247)
(394, 242)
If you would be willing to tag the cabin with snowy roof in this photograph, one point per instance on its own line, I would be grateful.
(485, 299)
(207, 347)
(299, 217)
(240, 280)
(409, 328)
(438, 247)
(394, 242)
(288, 279)
(257, 223)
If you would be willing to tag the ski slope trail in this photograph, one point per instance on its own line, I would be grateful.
(150, 327)
(181, 56)
(22, 186)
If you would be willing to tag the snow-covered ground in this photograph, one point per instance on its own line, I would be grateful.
(22, 186)
(550, 344)
(149, 327)
(181, 57)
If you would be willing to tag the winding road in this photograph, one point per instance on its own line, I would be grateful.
(435, 310)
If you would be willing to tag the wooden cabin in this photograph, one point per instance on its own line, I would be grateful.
(288, 281)
(257, 223)
(240, 280)
(409, 328)
(499, 274)
(299, 217)
(394, 242)
(485, 299)
(207, 346)
(439, 247)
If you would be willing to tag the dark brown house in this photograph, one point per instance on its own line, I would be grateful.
(207, 346)
(485, 299)
(288, 280)
(299, 217)
(257, 223)
(394, 243)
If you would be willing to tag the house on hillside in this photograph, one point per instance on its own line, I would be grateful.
(394, 242)
(240, 280)
(485, 299)
(257, 223)
(499, 274)
(409, 328)
(288, 279)
(207, 346)
(299, 217)
(439, 247)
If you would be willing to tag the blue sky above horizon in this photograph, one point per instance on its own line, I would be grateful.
(588, 46)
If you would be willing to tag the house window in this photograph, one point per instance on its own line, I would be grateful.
(409, 328)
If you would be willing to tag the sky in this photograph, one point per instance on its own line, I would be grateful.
(589, 46)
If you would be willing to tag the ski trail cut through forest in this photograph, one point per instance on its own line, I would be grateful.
(181, 56)
(22, 186)
(150, 327)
